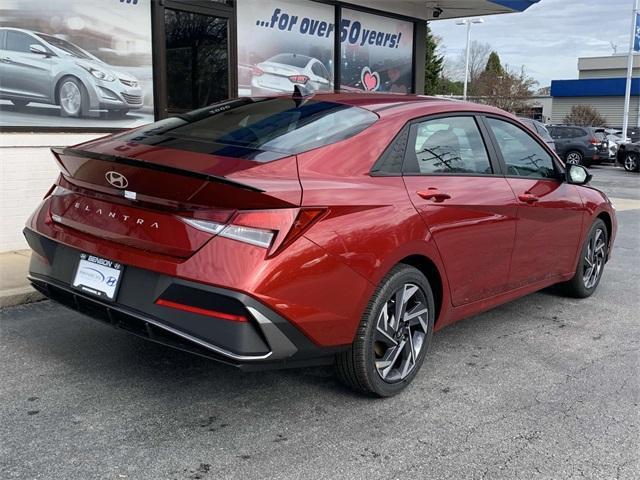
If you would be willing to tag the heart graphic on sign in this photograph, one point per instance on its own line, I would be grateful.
(370, 80)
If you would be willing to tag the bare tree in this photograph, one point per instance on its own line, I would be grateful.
(508, 90)
(584, 116)
(478, 56)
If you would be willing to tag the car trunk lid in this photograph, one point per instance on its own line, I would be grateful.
(139, 195)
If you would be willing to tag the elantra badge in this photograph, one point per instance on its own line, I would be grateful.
(116, 179)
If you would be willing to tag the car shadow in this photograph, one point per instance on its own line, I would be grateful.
(99, 352)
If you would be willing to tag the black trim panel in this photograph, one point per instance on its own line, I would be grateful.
(267, 340)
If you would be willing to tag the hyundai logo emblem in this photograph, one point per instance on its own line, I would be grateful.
(116, 179)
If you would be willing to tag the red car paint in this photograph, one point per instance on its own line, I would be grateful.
(478, 239)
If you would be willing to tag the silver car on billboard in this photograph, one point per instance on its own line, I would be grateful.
(41, 68)
(281, 72)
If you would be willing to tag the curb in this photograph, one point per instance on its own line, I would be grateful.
(12, 297)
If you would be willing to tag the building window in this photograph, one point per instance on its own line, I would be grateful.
(197, 60)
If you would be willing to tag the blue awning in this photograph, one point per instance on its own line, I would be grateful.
(516, 5)
(593, 87)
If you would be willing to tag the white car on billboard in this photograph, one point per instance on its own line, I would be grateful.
(281, 72)
(41, 68)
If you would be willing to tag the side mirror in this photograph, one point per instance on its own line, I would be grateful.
(578, 175)
(38, 49)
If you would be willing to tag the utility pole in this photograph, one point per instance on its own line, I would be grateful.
(468, 22)
(627, 93)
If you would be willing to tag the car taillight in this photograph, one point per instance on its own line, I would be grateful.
(594, 141)
(270, 229)
(256, 71)
(302, 79)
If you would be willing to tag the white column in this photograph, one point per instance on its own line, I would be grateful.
(627, 94)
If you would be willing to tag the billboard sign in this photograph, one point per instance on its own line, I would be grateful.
(282, 43)
(69, 64)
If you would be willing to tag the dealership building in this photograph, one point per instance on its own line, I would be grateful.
(74, 70)
(601, 83)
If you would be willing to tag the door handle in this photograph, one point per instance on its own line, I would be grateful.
(5, 59)
(528, 198)
(433, 194)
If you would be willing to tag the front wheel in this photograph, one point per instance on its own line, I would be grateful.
(393, 337)
(71, 97)
(593, 256)
(632, 162)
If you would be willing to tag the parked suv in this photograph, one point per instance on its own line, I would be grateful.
(579, 145)
(36, 67)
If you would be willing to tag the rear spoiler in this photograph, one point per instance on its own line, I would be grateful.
(150, 165)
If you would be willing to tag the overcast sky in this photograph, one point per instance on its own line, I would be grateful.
(549, 37)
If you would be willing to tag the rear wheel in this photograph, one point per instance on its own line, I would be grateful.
(573, 158)
(632, 162)
(393, 337)
(593, 257)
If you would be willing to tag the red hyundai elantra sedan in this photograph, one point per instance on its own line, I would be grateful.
(337, 228)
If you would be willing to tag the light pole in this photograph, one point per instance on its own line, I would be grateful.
(467, 22)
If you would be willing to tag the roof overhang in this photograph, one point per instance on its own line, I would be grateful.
(427, 9)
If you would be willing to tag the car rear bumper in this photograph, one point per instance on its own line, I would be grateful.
(263, 340)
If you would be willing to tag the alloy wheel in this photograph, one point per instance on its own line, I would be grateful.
(631, 162)
(400, 334)
(70, 98)
(574, 158)
(594, 259)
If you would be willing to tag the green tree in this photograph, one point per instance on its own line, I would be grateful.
(446, 86)
(433, 64)
(494, 67)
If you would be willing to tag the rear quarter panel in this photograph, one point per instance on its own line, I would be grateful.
(371, 224)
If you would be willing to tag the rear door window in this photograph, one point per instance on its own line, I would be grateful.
(577, 132)
(556, 132)
(448, 145)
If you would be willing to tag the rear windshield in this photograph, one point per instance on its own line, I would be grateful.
(291, 59)
(258, 129)
(542, 130)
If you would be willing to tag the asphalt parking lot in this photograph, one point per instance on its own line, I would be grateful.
(544, 387)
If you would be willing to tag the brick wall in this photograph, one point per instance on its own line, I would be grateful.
(27, 170)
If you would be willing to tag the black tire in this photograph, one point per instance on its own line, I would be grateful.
(578, 287)
(80, 107)
(574, 157)
(631, 162)
(356, 367)
(20, 104)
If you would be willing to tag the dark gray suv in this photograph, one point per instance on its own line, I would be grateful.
(36, 67)
(579, 145)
